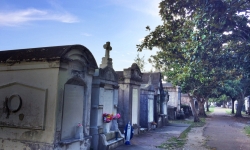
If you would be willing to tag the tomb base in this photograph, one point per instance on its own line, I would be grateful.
(108, 141)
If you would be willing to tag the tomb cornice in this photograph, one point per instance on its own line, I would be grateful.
(54, 53)
(29, 65)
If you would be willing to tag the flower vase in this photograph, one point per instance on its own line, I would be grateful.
(79, 132)
(106, 127)
(153, 126)
(114, 125)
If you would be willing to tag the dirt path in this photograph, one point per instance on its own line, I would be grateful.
(195, 140)
(225, 132)
(221, 132)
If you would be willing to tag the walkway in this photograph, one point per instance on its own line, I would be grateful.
(151, 139)
(221, 132)
(225, 132)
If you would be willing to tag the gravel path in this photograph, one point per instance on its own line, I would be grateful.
(224, 132)
(221, 132)
(195, 140)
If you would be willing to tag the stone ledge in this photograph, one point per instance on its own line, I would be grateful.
(73, 140)
(112, 144)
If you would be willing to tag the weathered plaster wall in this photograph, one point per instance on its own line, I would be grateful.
(65, 74)
(124, 104)
(185, 99)
(42, 75)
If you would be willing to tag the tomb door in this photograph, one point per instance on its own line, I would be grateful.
(108, 106)
(150, 110)
(72, 109)
(135, 103)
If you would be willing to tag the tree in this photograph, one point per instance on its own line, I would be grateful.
(232, 89)
(191, 42)
(140, 62)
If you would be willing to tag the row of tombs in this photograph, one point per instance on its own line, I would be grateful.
(58, 98)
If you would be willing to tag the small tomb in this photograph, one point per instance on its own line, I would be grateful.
(147, 106)
(129, 97)
(104, 103)
(174, 103)
(45, 97)
(160, 97)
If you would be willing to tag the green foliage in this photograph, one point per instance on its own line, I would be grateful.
(219, 99)
(195, 53)
(140, 62)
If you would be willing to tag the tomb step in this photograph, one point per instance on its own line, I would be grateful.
(113, 143)
(108, 141)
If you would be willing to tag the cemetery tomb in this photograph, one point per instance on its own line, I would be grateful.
(174, 103)
(160, 97)
(104, 101)
(147, 105)
(129, 81)
(45, 97)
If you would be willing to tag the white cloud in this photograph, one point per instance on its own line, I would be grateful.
(86, 34)
(19, 17)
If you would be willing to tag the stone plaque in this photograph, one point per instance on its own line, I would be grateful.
(22, 106)
(135, 103)
(108, 103)
(73, 107)
(150, 110)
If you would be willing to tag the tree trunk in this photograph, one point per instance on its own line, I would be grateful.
(224, 104)
(239, 107)
(233, 99)
(207, 106)
(191, 101)
(201, 103)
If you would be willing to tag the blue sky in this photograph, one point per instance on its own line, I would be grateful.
(29, 24)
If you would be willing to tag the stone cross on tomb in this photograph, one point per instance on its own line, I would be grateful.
(108, 48)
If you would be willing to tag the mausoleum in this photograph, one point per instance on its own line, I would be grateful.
(174, 103)
(160, 97)
(104, 102)
(147, 105)
(129, 81)
(45, 98)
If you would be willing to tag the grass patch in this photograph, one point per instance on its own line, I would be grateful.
(247, 130)
(229, 111)
(179, 142)
(211, 110)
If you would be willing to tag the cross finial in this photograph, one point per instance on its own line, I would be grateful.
(108, 48)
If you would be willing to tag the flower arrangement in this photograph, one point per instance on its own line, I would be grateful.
(117, 116)
(107, 117)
